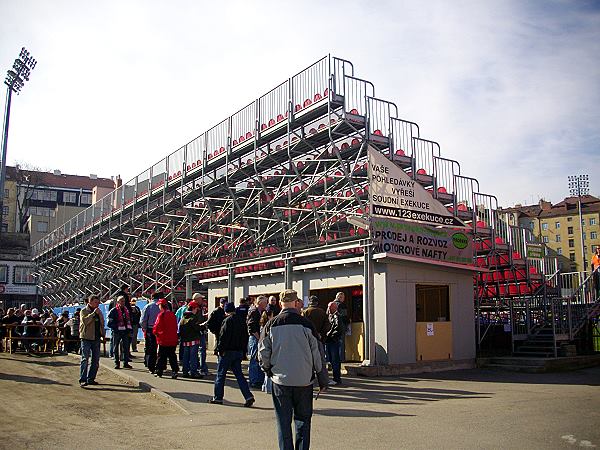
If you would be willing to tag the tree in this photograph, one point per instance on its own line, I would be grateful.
(27, 178)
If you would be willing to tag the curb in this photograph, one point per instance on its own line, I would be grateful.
(142, 385)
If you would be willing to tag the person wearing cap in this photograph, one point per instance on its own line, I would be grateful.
(320, 321)
(289, 355)
(91, 331)
(215, 320)
(149, 315)
(255, 374)
(165, 330)
(231, 347)
(190, 330)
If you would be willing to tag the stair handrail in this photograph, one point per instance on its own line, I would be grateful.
(587, 285)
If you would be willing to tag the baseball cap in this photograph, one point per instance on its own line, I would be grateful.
(193, 304)
(223, 301)
(287, 296)
(163, 302)
(197, 296)
(229, 307)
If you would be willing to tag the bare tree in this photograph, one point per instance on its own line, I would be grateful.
(28, 178)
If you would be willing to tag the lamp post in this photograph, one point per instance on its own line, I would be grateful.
(15, 80)
(579, 185)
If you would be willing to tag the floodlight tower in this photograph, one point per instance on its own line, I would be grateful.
(15, 80)
(579, 186)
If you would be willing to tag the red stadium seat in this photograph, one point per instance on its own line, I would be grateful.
(297, 108)
(377, 133)
(421, 172)
(307, 102)
(279, 117)
(317, 97)
(326, 92)
(263, 127)
(354, 111)
(355, 142)
(272, 121)
(442, 190)
(400, 152)
(249, 135)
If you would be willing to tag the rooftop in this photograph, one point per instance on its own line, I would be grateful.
(57, 179)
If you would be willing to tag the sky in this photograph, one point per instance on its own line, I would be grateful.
(509, 89)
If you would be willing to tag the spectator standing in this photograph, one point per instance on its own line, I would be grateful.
(255, 374)
(232, 345)
(342, 309)
(149, 315)
(119, 321)
(190, 330)
(91, 331)
(243, 308)
(74, 324)
(596, 271)
(289, 354)
(203, 317)
(215, 320)
(267, 315)
(10, 321)
(165, 330)
(275, 306)
(332, 342)
(136, 315)
(318, 317)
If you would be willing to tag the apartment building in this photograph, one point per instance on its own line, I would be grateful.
(558, 226)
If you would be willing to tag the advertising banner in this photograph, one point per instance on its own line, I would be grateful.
(395, 194)
(422, 243)
(535, 251)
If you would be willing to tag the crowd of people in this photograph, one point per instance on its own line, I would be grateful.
(287, 346)
(33, 330)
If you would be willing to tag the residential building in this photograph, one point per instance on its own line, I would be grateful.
(39, 201)
(17, 282)
(559, 228)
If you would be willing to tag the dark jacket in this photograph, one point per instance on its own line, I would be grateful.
(215, 320)
(242, 310)
(136, 315)
(233, 336)
(337, 329)
(253, 320)
(318, 318)
(190, 328)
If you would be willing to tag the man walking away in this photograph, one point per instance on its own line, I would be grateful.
(255, 374)
(119, 321)
(91, 330)
(149, 315)
(289, 354)
(232, 345)
(165, 330)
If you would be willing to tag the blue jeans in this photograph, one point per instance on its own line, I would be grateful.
(333, 356)
(233, 360)
(293, 401)
(190, 359)
(255, 374)
(120, 340)
(203, 366)
(89, 348)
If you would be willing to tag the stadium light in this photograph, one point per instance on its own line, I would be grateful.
(579, 185)
(15, 80)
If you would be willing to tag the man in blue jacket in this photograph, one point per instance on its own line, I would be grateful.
(289, 355)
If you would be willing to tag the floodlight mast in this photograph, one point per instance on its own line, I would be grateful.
(15, 80)
(579, 186)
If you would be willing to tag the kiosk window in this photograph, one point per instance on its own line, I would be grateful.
(433, 303)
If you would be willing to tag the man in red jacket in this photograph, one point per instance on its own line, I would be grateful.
(165, 330)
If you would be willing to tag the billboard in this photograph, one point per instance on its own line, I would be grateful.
(394, 194)
(422, 243)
